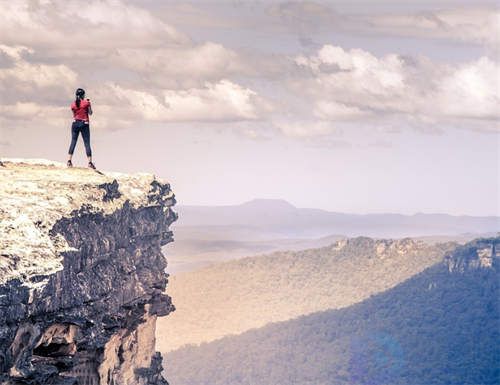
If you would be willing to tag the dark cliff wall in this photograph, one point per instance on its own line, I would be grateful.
(87, 314)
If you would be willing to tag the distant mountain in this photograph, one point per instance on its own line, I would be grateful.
(274, 205)
(205, 235)
(274, 218)
(232, 297)
(441, 327)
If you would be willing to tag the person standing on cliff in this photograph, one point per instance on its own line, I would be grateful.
(81, 110)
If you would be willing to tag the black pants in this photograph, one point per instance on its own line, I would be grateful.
(76, 128)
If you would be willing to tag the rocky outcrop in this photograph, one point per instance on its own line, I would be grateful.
(82, 275)
(479, 254)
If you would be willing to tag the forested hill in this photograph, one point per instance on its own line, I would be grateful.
(233, 297)
(440, 327)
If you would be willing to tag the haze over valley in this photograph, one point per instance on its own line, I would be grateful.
(210, 234)
(232, 297)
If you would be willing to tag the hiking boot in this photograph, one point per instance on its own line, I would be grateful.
(92, 166)
(69, 163)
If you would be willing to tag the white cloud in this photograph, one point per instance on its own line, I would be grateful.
(145, 105)
(136, 66)
(470, 90)
(224, 100)
(23, 76)
(221, 101)
(22, 110)
(30, 112)
(346, 82)
(354, 84)
(77, 26)
(180, 67)
(156, 71)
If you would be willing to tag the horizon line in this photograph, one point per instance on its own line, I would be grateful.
(335, 211)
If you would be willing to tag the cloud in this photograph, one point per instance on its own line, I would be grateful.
(349, 84)
(470, 24)
(20, 110)
(304, 16)
(117, 51)
(470, 90)
(305, 128)
(220, 101)
(180, 67)
(477, 24)
(30, 112)
(224, 100)
(137, 66)
(24, 78)
(375, 75)
(331, 110)
(72, 25)
(356, 85)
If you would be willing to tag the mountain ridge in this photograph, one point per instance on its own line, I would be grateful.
(280, 218)
(223, 298)
(268, 202)
(440, 327)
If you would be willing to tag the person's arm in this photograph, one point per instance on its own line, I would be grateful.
(90, 107)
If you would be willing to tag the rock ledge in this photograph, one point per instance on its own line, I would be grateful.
(82, 275)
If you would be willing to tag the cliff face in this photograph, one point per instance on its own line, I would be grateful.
(477, 254)
(82, 275)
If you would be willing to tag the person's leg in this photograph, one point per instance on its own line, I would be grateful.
(86, 141)
(74, 138)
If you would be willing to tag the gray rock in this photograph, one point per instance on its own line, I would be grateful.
(82, 275)
(480, 253)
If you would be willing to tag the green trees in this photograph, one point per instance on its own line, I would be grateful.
(437, 328)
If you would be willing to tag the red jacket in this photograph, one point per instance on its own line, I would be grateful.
(82, 112)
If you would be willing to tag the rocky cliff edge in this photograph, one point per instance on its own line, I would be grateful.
(82, 275)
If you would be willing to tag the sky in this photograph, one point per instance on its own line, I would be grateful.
(348, 106)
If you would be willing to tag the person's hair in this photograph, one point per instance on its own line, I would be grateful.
(80, 94)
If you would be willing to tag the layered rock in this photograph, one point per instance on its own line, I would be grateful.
(479, 254)
(82, 275)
